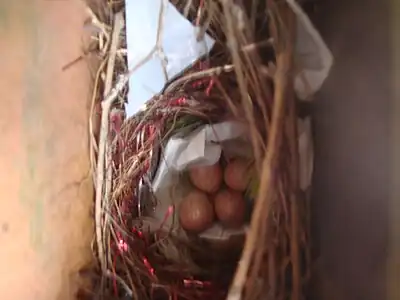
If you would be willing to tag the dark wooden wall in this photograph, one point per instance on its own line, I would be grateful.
(353, 128)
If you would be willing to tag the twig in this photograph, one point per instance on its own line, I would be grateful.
(187, 8)
(106, 106)
(115, 41)
(240, 73)
(121, 282)
(262, 207)
(118, 26)
(198, 75)
(159, 40)
(294, 180)
(73, 62)
(94, 149)
(94, 20)
(85, 53)
(256, 46)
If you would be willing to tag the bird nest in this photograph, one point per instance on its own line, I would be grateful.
(247, 77)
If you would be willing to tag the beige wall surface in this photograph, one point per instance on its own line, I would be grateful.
(45, 187)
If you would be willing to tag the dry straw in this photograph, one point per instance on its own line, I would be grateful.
(248, 77)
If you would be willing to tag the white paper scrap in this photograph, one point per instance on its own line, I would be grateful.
(313, 58)
(202, 147)
(178, 39)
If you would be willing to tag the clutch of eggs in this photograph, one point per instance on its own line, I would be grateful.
(210, 199)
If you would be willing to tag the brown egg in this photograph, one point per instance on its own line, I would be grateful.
(196, 212)
(230, 208)
(206, 178)
(237, 174)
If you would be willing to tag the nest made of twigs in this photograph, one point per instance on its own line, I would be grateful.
(251, 74)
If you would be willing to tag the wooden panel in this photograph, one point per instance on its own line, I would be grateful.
(353, 126)
(393, 262)
(45, 187)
